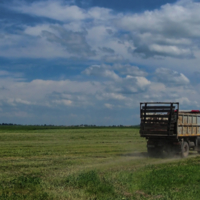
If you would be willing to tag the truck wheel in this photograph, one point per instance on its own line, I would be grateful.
(184, 150)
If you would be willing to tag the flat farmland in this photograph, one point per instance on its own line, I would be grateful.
(44, 163)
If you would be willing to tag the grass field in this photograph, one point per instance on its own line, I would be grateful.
(44, 163)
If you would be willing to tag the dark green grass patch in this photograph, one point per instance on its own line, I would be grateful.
(26, 181)
(25, 187)
(92, 183)
(180, 181)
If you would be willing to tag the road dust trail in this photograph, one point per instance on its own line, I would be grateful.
(174, 159)
(141, 159)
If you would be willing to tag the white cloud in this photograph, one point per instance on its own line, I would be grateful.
(52, 9)
(107, 105)
(130, 70)
(170, 77)
(110, 96)
(168, 31)
(36, 30)
(133, 82)
(102, 72)
(79, 96)
(110, 70)
(142, 81)
(4, 73)
(183, 101)
(171, 31)
(63, 102)
(17, 101)
(102, 14)
(169, 50)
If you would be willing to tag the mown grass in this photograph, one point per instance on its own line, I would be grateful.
(90, 163)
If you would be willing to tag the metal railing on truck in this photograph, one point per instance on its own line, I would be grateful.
(159, 119)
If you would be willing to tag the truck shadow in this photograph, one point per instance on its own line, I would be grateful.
(145, 154)
(137, 154)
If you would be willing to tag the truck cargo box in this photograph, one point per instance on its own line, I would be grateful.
(188, 123)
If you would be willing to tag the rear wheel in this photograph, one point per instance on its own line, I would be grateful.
(184, 150)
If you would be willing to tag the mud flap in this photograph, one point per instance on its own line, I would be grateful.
(198, 144)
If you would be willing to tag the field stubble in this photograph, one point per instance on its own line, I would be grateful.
(89, 163)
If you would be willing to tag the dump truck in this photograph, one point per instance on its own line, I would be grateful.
(169, 130)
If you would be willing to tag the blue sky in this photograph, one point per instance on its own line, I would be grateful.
(92, 62)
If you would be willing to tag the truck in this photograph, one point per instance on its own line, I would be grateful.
(169, 130)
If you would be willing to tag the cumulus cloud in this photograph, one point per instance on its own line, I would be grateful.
(107, 105)
(171, 31)
(113, 58)
(115, 71)
(16, 76)
(70, 93)
(101, 71)
(106, 50)
(74, 42)
(117, 91)
(133, 82)
(53, 9)
(170, 77)
(130, 70)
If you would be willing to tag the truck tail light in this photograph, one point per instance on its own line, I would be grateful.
(195, 111)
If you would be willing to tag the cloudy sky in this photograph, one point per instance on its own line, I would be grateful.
(92, 62)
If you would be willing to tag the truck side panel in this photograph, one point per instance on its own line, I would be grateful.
(188, 124)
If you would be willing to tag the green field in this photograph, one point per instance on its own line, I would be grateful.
(44, 163)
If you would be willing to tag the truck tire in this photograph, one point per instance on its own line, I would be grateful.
(184, 150)
(198, 145)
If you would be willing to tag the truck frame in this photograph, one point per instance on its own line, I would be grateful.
(168, 130)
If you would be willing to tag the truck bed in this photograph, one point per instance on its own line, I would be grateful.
(188, 124)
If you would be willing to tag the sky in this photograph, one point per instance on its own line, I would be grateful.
(72, 62)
